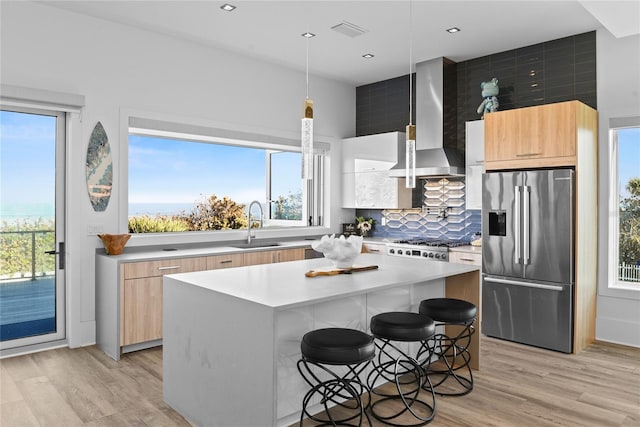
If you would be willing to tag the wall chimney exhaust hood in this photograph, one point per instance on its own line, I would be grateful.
(436, 122)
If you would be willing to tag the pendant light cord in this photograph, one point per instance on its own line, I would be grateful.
(410, 63)
(307, 67)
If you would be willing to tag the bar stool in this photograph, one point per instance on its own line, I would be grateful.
(395, 365)
(452, 351)
(350, 348)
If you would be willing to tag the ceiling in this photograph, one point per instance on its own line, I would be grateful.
(271, 30)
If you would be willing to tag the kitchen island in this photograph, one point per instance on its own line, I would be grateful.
(232, 337)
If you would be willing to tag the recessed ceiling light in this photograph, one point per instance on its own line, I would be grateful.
(308, 35)
(228, 7)
(368, 55)
(453, 30)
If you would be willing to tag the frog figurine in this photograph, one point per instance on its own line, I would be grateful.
(490, 91)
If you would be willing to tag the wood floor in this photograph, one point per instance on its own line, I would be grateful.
(517, 386)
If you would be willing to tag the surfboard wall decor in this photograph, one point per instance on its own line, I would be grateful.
(99, 169)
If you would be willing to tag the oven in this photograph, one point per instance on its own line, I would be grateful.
(431, 249)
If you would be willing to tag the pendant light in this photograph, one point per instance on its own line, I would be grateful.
(307, 123)
(410, 154)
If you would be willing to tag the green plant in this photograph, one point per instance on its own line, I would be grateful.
(629, 242)
(23, 242)
(158, 224)
(217, 214)
(289, 208)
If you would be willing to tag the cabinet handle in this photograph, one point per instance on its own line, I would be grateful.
(373, 250)
(226, 261)
(467, 259)
(528, 154)
(171, 267)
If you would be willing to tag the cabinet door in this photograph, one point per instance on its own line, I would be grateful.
(142, 310)
(474, 158)
(295, 254)
(532, 137)
(216, 262)
(259, 257)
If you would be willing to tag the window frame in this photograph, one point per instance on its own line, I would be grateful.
(614, 286)
(161, 125)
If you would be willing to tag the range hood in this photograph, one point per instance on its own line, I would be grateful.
(436, 123)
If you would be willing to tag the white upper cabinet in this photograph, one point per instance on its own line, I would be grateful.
(366, 183)
(474, 160)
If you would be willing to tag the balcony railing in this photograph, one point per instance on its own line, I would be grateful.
(629, 272)
(23, 254)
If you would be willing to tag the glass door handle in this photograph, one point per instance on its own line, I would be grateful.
(60, 252)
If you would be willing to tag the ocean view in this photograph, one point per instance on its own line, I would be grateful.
(11, 213)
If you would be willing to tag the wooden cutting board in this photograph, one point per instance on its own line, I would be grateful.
(335, 271)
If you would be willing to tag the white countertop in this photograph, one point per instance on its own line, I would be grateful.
(169, 251)
(284, 285)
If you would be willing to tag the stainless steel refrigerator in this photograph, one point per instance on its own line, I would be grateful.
(528, 257)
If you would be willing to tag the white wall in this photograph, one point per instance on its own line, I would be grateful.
(118, 69)
(618, 74)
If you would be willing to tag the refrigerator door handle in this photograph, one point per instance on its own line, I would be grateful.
(527, 220)
(516, 191)
(526, 284)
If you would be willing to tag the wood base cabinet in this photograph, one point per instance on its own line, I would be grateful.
(268, 257)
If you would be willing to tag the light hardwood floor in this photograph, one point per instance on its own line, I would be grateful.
(517, 386)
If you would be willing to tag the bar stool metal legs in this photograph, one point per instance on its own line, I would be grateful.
(451, 374)
(347, 348)
(394, 364)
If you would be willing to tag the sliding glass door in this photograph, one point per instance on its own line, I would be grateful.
(32, 144)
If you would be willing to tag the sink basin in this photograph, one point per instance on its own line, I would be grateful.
(254, 245)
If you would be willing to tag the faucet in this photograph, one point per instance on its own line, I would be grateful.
(249, 222)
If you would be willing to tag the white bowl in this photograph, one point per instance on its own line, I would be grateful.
(341, 252)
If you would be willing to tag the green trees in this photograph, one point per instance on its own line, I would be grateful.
(289, 208)
(209, 214)
(629, 249)
(23, 245)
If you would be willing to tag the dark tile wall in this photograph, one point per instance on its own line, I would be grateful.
(553, 71)
(384, 106)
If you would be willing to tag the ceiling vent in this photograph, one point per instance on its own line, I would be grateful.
(349, 29)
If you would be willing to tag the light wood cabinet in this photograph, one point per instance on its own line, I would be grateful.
(141, 296)
(142, 310)
(268, 257)
(216, 262)
(465, 258)
(535, 137)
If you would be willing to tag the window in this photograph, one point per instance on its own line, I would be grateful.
(625, 204)
(190, 182)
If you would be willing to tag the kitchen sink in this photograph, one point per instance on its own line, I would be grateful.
(254, 245)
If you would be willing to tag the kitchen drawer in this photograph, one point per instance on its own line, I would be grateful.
(225, 261)
(136, 270)
(465, 258)
(374, 248)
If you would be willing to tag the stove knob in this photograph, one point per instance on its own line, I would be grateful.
(437, 256)
(425, 254)
(399, 251)
(430, 254)
(408, 253)
(392, 251)
(444, 257)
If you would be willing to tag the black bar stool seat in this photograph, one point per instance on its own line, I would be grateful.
(350, 348)
(455, 378)
(395, 364)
